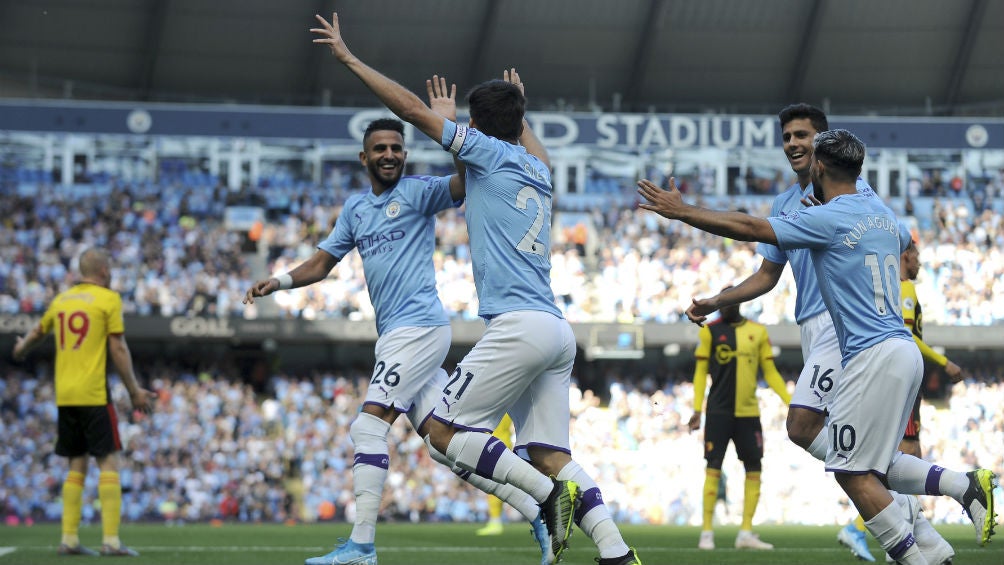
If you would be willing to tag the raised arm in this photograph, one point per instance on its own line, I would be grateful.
(669, 204)
(444, 103)
(305, 274)
(398, 99)
(527, 138)
(757, 284)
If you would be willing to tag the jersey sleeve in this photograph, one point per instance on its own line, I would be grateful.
(771, 253)
(703, 350)
(116, 324)
(46, 322)
(476, 150)
(340, 241)
(812, 228)
(435, 197)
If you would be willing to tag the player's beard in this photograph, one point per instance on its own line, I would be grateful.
(387, 179)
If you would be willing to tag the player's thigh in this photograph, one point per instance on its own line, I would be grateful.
(541, 415)
(748, 438)
(718, 428)
(515, 348)
(71, 437)
(406, 360)
(871, 405)
(822, 366)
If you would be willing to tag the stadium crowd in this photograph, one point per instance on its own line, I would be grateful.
(173, 256)
(214, 450)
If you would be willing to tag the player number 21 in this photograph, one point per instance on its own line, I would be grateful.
(882, 286)
(77, 324)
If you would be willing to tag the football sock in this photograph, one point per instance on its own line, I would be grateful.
(859, 523)
(751, 497)
(593, 517)
(912, 475)
(710, 495)
(487, 456)
(73, 495)
(369, 472)
(893, 534)
(494, 508)
(110, 495)
(509, 494)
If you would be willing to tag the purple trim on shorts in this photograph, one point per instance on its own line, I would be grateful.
(900, 548)
(545, 445)
(591, 498)
(933, 484)
(881, 476)
(424, 420)
(460, 427)
(809, 408)
(376, 460)
(374, 403)
(490, 456)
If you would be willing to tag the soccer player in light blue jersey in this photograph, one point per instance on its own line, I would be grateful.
(821, 352)
(392, 227)
(854, 245)
(522, 365)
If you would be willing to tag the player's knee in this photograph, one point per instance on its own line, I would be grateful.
(716, 463)
(440, 434)
(803, 426)
(753, 466)
(548, 461)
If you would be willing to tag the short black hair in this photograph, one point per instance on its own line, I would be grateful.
(383, 124)
(841, 151)
(497, 108)
(804, 111)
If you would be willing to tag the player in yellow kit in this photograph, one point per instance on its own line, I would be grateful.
(733, 350)
(87, 322)
(494, 526)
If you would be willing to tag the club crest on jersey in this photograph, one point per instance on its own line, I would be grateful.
(393, 209)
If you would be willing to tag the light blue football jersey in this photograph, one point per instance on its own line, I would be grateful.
(854, 244)
(808, 301)
(395, 235)
(508, 222)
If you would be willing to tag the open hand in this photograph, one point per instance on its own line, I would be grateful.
(331, 35)
(441, 100)
(667, 203)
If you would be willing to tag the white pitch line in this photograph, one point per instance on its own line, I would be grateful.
(7, 550)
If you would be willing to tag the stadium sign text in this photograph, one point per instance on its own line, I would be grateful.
(201, 327)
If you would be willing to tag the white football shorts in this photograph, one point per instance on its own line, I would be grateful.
(521, 365)
(821, 352)
(870, 406)
(408, 359)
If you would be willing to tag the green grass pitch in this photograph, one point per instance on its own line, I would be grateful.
(451, 544)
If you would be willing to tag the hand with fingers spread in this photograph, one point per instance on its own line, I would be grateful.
(331, 35)
(667, 203)
(441, 100)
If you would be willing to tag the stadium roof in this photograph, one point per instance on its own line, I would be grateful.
(901, 57)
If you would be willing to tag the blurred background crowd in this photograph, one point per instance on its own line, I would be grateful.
(213, 449)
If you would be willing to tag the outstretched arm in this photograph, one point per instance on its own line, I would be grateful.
(669, 204)
(306, 273)
(398, 99)
(757, 284)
